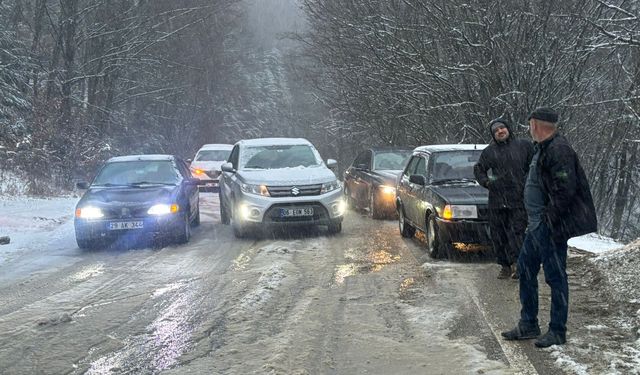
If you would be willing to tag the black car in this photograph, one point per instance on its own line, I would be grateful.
(370, 181)
(437, 193)
(137, 197)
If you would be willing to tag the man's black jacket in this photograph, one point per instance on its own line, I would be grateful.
(570, 211)
(509, 164)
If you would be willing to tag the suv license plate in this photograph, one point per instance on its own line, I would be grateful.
(295, 212)
(123, 225)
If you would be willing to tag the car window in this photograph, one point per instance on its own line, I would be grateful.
(390, 160)
(454, 164)
(279, 156)
(138, 172)
(212, 155)
(411, 167)
(421, 167)
(360, 159)
(233, 157)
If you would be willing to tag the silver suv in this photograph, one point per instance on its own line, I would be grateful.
(279, 181)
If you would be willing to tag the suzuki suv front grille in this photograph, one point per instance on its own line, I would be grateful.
(294, 190)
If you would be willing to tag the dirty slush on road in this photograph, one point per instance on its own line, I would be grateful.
(365, 301)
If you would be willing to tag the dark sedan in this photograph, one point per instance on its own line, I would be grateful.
(438, 195)
(138, 197)
(370, 181)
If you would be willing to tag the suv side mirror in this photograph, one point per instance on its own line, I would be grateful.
(227, 167)
(418, 179)
(82, 185)
(361, 167)
(331, 163)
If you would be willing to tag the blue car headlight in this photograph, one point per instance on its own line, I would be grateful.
(89, 212)
(163, 209)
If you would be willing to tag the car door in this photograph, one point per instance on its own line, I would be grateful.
(420, 193)
(350, 176)
(364, 179)
(191, 190)
(356, 187)
(229, 179)
(404, 188)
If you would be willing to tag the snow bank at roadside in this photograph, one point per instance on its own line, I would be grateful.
(620, 268)
(594, 243)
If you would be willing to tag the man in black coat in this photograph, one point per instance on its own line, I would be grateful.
(507, 158)
(559, 206)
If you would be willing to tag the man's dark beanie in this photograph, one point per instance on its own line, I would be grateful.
(499, 120)
(545, 114)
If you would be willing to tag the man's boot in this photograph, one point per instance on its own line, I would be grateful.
(505, 272)
(514, 272)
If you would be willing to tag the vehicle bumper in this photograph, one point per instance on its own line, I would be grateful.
(153, 227)
(465, 235)
(328, 208)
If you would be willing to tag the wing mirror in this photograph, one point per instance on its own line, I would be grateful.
(331, 163)
(362, 167)
(228, 167)
(418, 179)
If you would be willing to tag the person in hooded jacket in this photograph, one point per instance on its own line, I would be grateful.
(502, 169)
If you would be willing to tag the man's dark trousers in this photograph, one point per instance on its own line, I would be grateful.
(507, 227)
(538, 248)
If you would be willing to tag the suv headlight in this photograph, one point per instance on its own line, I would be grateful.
(255, 189)
(458, 211)
(330, 186)
(163, 209)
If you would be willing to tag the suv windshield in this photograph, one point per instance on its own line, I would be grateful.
(279, 156)
(390, 160)
(454, 165)
(212, 155)
(137, 172)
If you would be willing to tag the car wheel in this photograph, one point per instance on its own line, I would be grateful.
(184, 233)
(435, 247)
(374, 210)
(335, 227)
(224, 213)
(406, 230)
(196, 220)
(87, 244)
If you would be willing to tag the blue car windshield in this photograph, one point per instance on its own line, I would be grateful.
(127, 173)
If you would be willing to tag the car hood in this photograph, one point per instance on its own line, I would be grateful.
(287, 176)
(207, 165)
(389, 177)
(126, 196)
(463, 193)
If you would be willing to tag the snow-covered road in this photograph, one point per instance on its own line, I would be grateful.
(365, 301)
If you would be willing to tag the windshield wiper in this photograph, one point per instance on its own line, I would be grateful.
(109, 184)
(447, 180)
(139, 183)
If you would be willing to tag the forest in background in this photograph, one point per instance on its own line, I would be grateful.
(83, 80)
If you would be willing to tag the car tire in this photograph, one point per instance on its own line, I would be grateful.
(435, 247)
(334, 227)
(184, 232)
(406, 230)
(374, 210)
(196, 220)
(224, 213)
(86, 244)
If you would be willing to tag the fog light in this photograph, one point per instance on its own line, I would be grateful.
(245, 212)
(339, 207)
(255, 213)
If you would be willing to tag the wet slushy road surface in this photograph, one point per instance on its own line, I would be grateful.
(364, 301)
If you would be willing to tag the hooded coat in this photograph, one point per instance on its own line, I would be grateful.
(508, 162)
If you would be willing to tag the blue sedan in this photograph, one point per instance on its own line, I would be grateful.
(138, 197)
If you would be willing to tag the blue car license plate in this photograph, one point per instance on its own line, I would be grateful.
(296, 212)
(124, 225)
